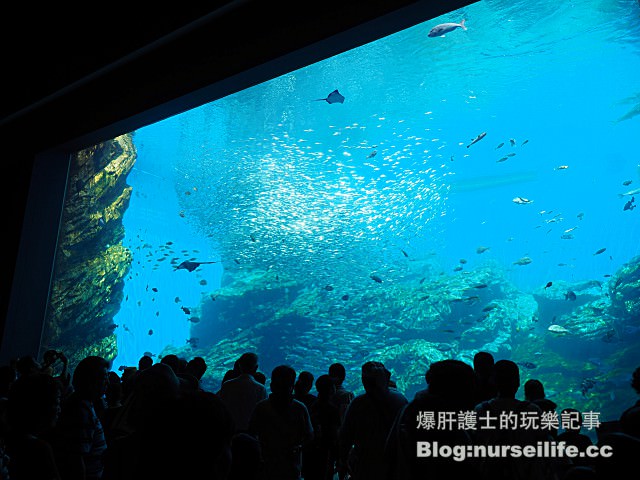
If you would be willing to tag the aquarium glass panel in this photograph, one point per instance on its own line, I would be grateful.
(418, 198)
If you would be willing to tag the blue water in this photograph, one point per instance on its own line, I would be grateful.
(271, 180)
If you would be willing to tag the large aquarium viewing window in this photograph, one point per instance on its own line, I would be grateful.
(418, 198)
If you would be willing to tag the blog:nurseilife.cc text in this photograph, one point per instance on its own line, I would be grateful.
(550, 449)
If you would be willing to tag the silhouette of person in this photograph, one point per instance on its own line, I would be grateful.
(283, 427)
(197, 366)
(366, 425)
(342, 397)
(79, 441)
(302, 389)
(571, 418)
(50, 365)
(33, 406)
(483, 363)
(241, 394)
(630, 418)
(499, 423)
(534, 393)
(319, 457)
(145, 362)
(173, 361)
(450, 390)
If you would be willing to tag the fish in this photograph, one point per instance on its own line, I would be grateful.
(557, 329)
(500, 146)
(443, 28)
(522, 201)
(458, 268)
(333, 97)
(630, 193)
(463, 260)
(524, 143)
(345, 297)
(375, 278)
(372, 154)
(190, 266)
(150, 332)
(477, 139)
(599, 251)
(512, 154)
(194, 319)
(404, 253)
(570, 295)
(523, 261)
(328, 288)
(527, 365)
(562, 167)
(503, 159)
(580, 216)
(186, 310)
(566, 236)
(512, 141)
(629, 205)
(626, 183)
(148, 354)
(482, 249)
(549, 284)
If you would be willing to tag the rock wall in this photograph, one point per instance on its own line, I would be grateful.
(91, 261)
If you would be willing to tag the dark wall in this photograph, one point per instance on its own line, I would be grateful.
(74, 78)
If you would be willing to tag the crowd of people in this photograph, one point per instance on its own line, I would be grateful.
(156, 421)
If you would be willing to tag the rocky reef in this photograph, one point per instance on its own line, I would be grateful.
(91, 261)
(624, 291)
(565, 334)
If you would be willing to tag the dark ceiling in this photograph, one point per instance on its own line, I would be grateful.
(49, 47)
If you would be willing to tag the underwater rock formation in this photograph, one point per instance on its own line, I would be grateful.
(624, 291)
(91, 261)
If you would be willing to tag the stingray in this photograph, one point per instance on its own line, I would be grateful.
(333, 97)
(190, 266)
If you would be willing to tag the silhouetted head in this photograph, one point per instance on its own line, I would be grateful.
(375, 377)
(91, 377)
(304, 383)
(483, 363)
(325, 386)
(197, 367)
(248, 363)
(27, 365)
(338, 373)
(506, 378)
(533, 390)
(635, 380)
(33, 403)
(145, 362)
(172, 361)
(452, 380)
(283, 378)
(154, 389)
